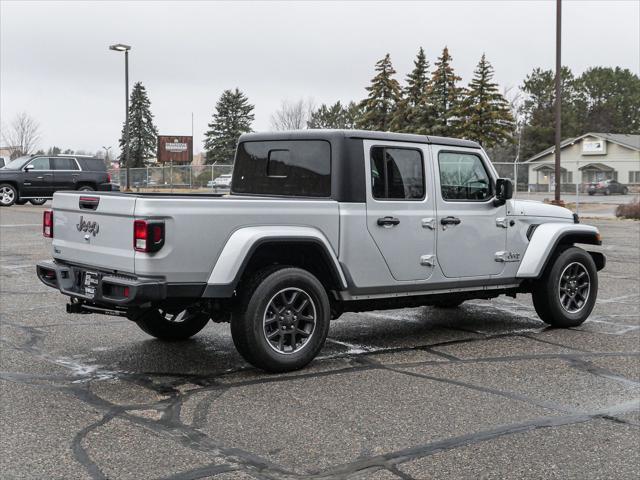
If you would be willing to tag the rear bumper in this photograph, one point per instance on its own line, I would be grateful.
(108, 289)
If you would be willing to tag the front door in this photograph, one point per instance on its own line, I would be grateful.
(472, 231)
(400, 208)
(37, 178)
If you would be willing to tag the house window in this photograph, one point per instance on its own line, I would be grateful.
(634, 177)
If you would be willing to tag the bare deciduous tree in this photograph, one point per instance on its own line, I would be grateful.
(22, 135)
(292, 115)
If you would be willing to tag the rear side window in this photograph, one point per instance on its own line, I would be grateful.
(92, 164)
(463, 177)
(397, 174)
(291, 168)
(64, 163)
(40, 163)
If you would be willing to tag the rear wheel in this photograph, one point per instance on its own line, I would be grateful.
(38, 201)
(86, 188)
(566, 293)
(8, 195)
(283, 321)
(172, 326)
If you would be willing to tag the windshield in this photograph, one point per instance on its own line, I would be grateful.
(17, 164)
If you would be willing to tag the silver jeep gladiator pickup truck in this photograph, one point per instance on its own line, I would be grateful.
(317, 223)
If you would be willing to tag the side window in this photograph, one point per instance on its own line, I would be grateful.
(397, 174)
(40, 163)
(283, 167)
(463, 177)
(60, 163)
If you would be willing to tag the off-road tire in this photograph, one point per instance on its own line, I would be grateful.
(8, 195)
(154, 322)
(547, 293)
(37, 201)
(248, 322)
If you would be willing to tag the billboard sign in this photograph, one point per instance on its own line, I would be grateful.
(175, 148)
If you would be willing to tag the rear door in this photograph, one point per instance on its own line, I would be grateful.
(65, 173)
(400, 207)
(37, 178)
(99, 235)
(472, 231)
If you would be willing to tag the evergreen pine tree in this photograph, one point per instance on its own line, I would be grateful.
(484, 113)
(232, 117)
(444, 96)
(143, 135)
(413, 113)
(384, 94)
(335, 116)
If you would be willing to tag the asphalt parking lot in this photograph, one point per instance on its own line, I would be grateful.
(484, 391)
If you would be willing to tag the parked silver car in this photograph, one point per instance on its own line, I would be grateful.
(318, 223)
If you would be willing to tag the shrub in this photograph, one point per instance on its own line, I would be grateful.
(629, 210)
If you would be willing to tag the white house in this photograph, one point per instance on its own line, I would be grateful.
(589, 158)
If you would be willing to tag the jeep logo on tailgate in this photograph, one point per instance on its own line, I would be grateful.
(87, 226)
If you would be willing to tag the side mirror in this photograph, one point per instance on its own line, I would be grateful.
(504, 191)
(29, 167)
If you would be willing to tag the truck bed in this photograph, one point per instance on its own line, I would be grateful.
(197, 228)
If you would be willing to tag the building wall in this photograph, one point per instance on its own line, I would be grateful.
(623, 160)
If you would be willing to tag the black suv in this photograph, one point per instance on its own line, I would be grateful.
(35, 178)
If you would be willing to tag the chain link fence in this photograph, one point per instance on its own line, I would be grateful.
(577, 177)
(185, 178)
(531, 180)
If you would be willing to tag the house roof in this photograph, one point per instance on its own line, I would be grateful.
(597, 166)
(624, 139)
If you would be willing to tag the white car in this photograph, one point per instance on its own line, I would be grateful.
(223, 181)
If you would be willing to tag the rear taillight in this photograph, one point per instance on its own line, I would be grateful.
(108, 177)
(47, 224)
(148, 236)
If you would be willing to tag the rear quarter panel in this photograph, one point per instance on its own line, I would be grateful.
(197, 229)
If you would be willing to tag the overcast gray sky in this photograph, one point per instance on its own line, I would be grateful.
(55, 64)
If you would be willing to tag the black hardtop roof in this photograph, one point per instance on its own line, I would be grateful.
(326, 134)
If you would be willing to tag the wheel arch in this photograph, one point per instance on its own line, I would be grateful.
(252, 248)
(548, 238)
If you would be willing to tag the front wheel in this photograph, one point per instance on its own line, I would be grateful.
(8, 195)
(283, 321)
(172, 326)
(38, 201)
(566, 293)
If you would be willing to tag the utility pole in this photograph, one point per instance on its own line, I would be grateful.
(558, 105)
(119, 47)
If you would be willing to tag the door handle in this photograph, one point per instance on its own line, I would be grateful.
(388, 221)
(450, 221)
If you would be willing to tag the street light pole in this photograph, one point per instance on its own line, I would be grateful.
(119, 47)
(558, 105)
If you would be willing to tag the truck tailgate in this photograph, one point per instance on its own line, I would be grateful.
(107, 243)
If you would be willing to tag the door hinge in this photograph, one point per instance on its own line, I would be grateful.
(428, 260)
(502, 222)
(429, 223)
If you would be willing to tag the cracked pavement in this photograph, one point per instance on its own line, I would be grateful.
(483, 391)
